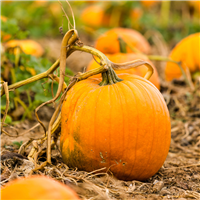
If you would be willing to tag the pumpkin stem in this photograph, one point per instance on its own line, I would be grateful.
(122, 45)
(109, 77)
(104, 79)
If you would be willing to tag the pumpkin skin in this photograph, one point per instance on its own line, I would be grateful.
(187, 52)
(37, 188)
(122, 58)
(116, 126)
(28, 46)
(108, 43)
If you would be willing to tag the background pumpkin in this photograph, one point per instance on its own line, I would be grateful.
(195, 4)
(116, 126)
(149, 4)
(187, 52)
(108, 43)
(136, 14)
(94, 15)
(122, 58)
(28, 46)
(37, 188)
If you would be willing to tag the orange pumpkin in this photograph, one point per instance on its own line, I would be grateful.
(136, 14)
(41, 3)
(117, 126)
(187, 52)
(148, 4)
(54, 9)
(37, 188)
(28, 46)
(95, 16)
(195, 4)
(92, 1)
(108, 43)
(121, 58)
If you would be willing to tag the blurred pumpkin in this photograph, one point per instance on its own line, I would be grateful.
(4, 36)
(122, 58)
(148, 4)
(55, 9)
(41, 2)
(27, 46)
(116, 125)
(195, 4)
(108, 43)
(187, 51)
(95, 16)
(37, 188)
(91, 1)
(136, 13)
(3, 18)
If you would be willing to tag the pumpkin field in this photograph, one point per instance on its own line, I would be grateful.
(100, 100)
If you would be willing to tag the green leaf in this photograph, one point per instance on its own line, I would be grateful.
(18, 144)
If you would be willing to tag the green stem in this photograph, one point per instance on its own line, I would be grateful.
(104, 79)
(109, 77)
(165, 10)
(27, 112)
(122, 45)
(29, 98)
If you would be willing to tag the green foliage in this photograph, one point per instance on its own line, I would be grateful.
(8, 119)
(17, 144)
(22, 66)
(41, 89)
(11, 27)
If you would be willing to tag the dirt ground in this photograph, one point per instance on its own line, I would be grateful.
(179, 177)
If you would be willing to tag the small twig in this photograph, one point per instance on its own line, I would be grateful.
(72, 14)
(69, 23)
(5, 86)
(24, 146)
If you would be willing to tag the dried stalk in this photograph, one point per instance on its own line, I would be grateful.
(5, 86)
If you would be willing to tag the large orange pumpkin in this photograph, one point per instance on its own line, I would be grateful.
(37, 188)
(124, 127)
(122, 58)
(187, 51)
(108, 43)
(28, 46)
